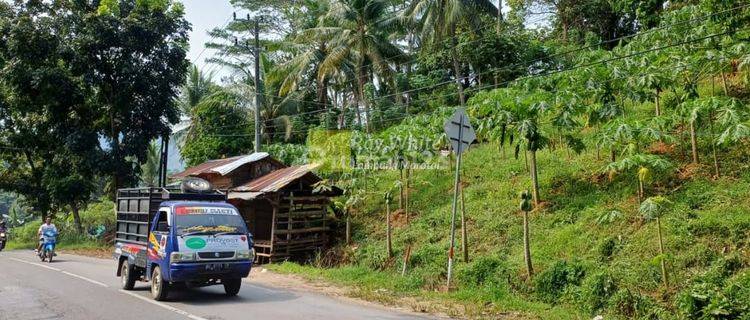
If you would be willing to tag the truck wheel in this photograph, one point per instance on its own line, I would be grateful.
(159, 287)
(127, 276)
(232, 286)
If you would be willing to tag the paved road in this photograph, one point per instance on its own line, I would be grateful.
(81, 288)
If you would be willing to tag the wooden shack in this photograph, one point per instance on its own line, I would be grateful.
(287, 218)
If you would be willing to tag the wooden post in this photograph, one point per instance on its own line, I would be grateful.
(289, 223)
(407, 255)
(464, 235)
(275, 206)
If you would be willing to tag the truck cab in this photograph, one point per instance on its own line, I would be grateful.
(167, 238)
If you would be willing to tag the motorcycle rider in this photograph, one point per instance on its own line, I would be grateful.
(2, 234)
(47, 226)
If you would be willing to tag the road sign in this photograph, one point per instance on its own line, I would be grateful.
(459, 130)
(461, 134)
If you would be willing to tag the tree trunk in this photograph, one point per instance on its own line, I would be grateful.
(713, 146)
(534, 177)
(640, 191)
(389, 245)
(406, 194)
(348, 229)
(457, 66)
(656, 102)
(693, 142)
(526, 160)
(363, 98)
(359, 108)
(724, 83)
(401, 190)
(664, 276)
(526, 249)
(464, 232)
(77, 218)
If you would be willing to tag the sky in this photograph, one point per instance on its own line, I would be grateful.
(205, 15)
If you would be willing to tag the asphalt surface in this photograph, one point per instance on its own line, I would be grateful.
(81, 288)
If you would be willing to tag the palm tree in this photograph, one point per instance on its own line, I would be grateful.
(357, 30)
(150, 169)
(440, 18)
(198, 86)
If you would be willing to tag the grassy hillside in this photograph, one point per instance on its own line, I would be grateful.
(593, 253)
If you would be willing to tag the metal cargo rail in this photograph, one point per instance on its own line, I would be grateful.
(136, 208)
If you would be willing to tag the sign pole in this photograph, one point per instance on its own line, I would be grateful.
(455, 200)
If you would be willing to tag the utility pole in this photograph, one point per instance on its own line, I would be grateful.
(256, 50)
(258, 86)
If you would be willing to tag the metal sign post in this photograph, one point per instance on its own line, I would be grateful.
(461, 135)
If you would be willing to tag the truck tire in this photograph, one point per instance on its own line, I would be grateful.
(127, 276)
(232, 286)
(159, 287)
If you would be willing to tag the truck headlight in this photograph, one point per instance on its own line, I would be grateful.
(182, 256)
(245, 254)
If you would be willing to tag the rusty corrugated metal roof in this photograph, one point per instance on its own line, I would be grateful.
(220, 166)
(278, 179)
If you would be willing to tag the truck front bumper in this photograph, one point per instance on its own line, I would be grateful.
(193, 271)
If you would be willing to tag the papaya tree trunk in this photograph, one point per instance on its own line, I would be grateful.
(693, 142)
(526, 249)
(664, 276)
(534, 177)
(713, 146)
(724, 83)
(348, 229)
(406, 194)
(401, 190)
(389, 244)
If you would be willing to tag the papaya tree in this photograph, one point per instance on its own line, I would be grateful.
(388, 243)
(525, 206)
(654, 208)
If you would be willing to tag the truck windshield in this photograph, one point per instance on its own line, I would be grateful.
(208, 220)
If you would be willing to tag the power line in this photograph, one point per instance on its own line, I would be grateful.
(568, 52)
(529, 62)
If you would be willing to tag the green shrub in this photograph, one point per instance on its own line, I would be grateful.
(607, 248)
(596, 291)
(636, 306)
(483, 270)
(551, 283)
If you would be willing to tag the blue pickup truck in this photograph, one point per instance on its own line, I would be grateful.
(171, 237)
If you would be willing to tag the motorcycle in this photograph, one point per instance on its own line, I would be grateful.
(3, 238)
(48, 246)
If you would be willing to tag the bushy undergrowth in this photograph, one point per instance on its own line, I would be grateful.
(97, 220)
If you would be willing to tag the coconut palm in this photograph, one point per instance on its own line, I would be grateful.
(198, 86)
(439, 19)
(357, 30)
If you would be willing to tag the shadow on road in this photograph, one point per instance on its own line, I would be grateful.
(214, 295)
